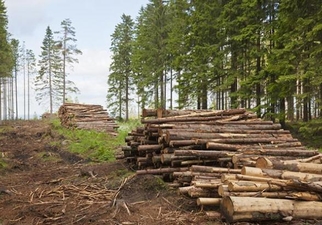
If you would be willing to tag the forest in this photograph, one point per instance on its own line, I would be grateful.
(262, 55)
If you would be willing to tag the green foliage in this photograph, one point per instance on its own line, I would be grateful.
(6, 53)
(125, 128)
(309, 133)
(120, 80)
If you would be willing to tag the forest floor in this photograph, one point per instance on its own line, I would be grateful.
(41, 184)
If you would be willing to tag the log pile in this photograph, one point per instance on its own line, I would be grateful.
(85, 116)
(249, 168)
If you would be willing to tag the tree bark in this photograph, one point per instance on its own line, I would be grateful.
(264, 162)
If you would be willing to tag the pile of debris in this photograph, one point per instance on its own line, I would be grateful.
(252, 169)
(84, 116)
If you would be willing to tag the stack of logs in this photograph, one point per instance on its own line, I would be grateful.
(251, 169)
(84, 116)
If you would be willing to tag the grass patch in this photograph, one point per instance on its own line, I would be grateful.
(97, 146)
(3, 164)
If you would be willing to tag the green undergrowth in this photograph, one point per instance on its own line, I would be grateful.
(308, 133)
(96, 146)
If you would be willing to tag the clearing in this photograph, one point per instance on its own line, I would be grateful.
(41, 184)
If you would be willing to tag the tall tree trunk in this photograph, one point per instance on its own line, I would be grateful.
(282, 113)
(290, 108)
(204, 95)
(64, 65)
(171, 88)
(16, 91)
(258, 85)
(127, 96)
(305, 101)
(233, 86)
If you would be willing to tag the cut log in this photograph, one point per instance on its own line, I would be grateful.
(259, 209)
(177, 143)
(264, 162)
(252, 186)
(201, 192)
(209, 201)
(222, 189)
(149, 148)
(161, 170)
(281, 152)
(218, 146)
(213, 184)
(203, 153)
(209, 169)
(295, 195)
(280, 174)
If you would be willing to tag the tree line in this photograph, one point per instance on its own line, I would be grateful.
(47, 76)
(263, 55)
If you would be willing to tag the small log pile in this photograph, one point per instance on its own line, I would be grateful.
(85, 116)
(249, 168)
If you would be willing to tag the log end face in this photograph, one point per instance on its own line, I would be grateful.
(227, 209)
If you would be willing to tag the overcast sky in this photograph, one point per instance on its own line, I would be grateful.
(94, 22)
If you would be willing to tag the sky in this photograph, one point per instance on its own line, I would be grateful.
(94, 22)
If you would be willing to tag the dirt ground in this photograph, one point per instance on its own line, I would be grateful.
(41, 184)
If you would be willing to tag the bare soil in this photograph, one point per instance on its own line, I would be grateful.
(42, 184)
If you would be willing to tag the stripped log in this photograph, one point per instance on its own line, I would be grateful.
(209, 169)
(252, 186)
(259, 209)
(295, 195)
(209, 201)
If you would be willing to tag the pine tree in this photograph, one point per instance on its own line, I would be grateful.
(50, 73)
(120, 80)
(68, 49)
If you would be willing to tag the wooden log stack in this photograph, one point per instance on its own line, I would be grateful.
(246, 168)
(85, 116)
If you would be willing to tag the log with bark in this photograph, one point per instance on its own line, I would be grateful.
(291, 165)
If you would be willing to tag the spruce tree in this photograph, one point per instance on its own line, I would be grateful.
(150, 53)
(120, 80)
(50, 73)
